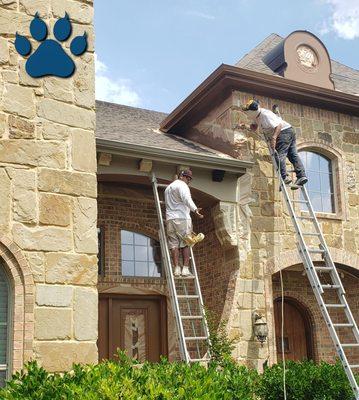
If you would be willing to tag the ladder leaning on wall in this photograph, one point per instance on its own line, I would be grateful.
(186, 298)
(307, 228)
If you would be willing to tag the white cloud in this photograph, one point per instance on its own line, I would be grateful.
(344, 19)
(201, 15)
(115, 91)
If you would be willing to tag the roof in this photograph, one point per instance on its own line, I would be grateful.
(140, 127)
(345, 79)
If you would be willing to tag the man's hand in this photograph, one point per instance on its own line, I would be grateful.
(273, 143)
(198, 213)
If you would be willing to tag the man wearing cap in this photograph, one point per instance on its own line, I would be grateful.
(283, 139)
(179, 204)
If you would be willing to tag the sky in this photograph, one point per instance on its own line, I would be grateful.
(153, 53)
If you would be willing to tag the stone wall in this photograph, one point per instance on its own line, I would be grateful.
(48, 185)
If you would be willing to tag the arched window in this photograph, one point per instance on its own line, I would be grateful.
(4, 325)
(320, 181)
(140, 255)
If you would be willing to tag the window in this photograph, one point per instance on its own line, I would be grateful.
(320, 181)
(140, 255)
(4, 326)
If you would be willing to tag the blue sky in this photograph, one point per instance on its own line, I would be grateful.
(153, 53)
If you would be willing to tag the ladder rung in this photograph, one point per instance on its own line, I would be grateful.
(354, 366)
(184, 277)
(162, 185)
(200, 360)
(310, 234)
(319, 251)
(191, 316)
(331, 286)
(323, 268)
(335, 305)
(188, 296)
(343, 325)
(350, 345)
(196, 338)
(300, 201)
(305, 217)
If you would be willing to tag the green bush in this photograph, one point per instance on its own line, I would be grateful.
(123, 379)
(305, 381)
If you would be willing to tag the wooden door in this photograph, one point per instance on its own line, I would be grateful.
(136, 324)
(297, 331)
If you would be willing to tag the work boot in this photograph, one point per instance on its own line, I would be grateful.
(177, 271)
(287, 180)
(186, 271)
(301, 181)
(193, 239)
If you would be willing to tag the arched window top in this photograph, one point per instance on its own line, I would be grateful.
(320, 180)
(140, 255)
(4, 325)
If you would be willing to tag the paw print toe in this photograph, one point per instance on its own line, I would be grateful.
(38, 28)
(79, 45)
(22, 45)
(62, 28)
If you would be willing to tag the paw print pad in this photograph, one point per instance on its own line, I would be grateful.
(50, 58)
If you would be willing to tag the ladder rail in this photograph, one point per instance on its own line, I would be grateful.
(170, 279)
(201, 304)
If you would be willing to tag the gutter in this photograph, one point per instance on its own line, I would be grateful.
(172, 156)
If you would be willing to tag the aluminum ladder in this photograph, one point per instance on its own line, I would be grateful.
(317, 273)
(186, 297)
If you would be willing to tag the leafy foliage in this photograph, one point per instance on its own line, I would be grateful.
(125, 379)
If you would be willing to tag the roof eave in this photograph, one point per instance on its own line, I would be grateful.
(231, 77)
(172, 156)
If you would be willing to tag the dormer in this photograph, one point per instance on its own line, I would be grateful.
(302, 57)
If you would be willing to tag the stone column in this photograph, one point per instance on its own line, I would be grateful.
(48, 167)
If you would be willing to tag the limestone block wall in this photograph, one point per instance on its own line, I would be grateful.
(48, 207)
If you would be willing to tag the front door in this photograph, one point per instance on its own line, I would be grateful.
(135, 324)
(297, 332)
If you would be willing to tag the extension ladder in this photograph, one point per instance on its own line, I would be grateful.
(316, 273)
(186, 298)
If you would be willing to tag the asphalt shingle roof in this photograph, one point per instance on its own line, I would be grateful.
(141, 127)
(345, 79)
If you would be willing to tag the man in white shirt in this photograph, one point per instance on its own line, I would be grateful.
(282, 139)
(179, 204)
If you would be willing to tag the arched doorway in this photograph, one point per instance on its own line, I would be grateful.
(5, 315)
(298, 335)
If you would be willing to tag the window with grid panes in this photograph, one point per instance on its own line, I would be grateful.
(320, 181)
(140, 255)
(4, 325)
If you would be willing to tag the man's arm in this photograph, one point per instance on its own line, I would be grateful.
(186, 197)
(275, 136)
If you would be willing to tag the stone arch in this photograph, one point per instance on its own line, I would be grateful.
(23, 292)
(291, 257)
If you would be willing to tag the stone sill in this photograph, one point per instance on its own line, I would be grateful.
(320, 215)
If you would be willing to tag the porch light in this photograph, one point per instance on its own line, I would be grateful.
(260, 327)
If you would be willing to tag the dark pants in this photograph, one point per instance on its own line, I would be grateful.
(287, 147)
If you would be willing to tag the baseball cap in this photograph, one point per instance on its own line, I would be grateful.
(252, 105)
(187, 173)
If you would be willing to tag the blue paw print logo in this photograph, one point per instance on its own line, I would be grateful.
(50, 58)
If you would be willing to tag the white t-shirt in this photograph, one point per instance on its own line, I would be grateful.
(267, 121)
(178, 200)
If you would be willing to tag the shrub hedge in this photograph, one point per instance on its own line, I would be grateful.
(112, 380)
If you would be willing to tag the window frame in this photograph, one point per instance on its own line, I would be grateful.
(9, 332)
(336, 160)
(101, 250)
(147, 261)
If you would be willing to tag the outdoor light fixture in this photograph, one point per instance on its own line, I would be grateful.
(260, 328)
